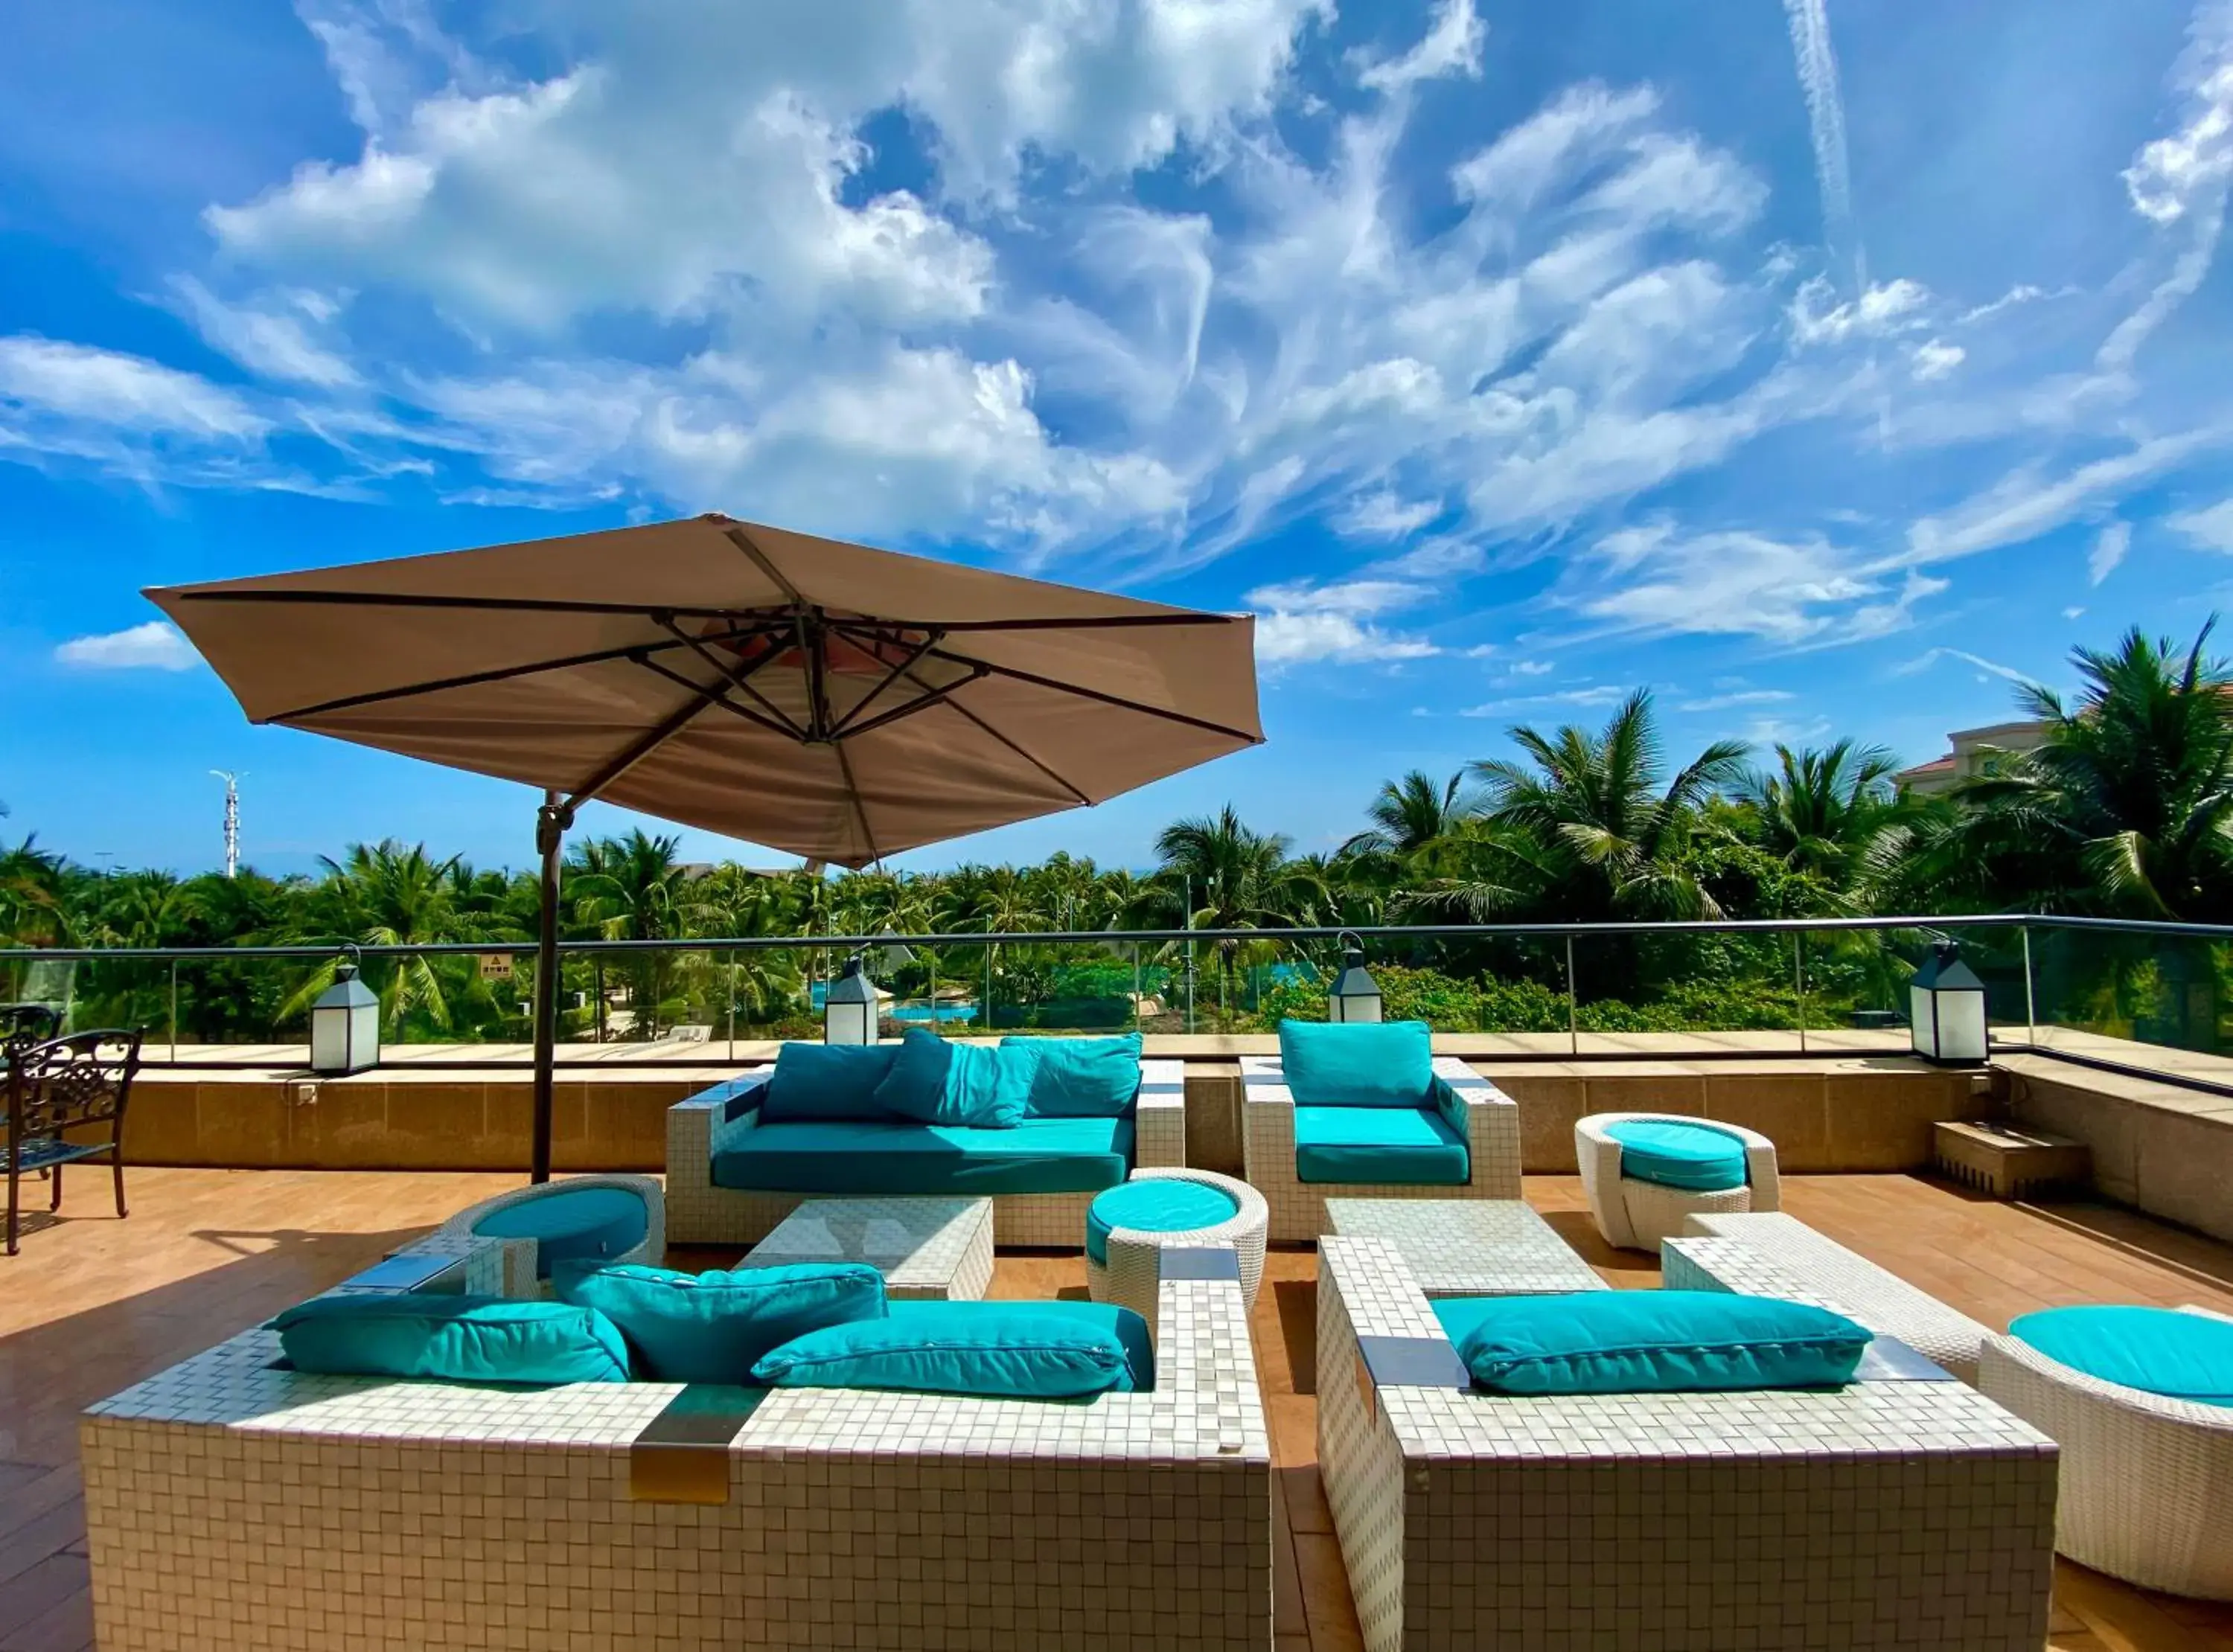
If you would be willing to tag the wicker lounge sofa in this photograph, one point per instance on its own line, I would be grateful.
(1476, 1114)
(2148, 1481)
(1887, 1514)
(731, 1178)
(231, 1505)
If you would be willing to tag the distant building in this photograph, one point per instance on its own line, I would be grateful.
(1972, 747)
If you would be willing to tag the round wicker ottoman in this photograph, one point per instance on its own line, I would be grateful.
(1216, 1210)
(608, 1218)
(1635, 1214)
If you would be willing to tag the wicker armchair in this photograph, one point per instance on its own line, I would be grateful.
(66, 1102)
(1634, 1215)
(2147, 1482)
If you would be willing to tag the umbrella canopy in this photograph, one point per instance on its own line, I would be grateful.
(838, 702)
(823, 698)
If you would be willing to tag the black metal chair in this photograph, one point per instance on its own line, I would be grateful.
(66, 1102)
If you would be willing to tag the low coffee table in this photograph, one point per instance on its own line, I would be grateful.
(925, 1247)
(1469, 1247)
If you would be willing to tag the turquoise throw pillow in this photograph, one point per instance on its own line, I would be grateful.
(1081, 1077)
(1353, 1063)
(936, 1080)
(994, 1351)
(1673, 1153)
(1130, 1329)
(453, 1339)
(1658, 1342)
(2157, 1351)
(711, 1327)
(816, 1082)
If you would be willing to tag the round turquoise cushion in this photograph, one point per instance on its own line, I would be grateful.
(572, 1225)
(1156, 1204)
(2157, 1351)
(1675, 1153)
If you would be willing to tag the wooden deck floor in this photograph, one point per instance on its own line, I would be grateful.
(93, 1303)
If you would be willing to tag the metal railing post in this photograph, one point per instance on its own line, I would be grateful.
(174, 1012)
(1574, 1015)
(2031, 1003)
(1798, 982)
(732, 1004)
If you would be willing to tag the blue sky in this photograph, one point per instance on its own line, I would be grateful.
(1822, 365)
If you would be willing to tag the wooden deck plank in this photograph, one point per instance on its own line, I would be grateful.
(207, 1252)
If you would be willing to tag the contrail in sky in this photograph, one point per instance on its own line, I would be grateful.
(1825, 115)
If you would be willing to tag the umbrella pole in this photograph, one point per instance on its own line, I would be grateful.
(550, 823)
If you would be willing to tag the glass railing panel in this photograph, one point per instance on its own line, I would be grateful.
(2149, 999)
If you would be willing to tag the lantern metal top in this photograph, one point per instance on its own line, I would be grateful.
(1355, 980)
(852, 986)
(347, 992)
(1944, 971)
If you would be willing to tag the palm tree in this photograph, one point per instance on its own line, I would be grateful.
(1599, 818)
(631, 888)
(1216, 872)
(2126, 806)
(1830, 818)
(1411, 814)
(385, 894)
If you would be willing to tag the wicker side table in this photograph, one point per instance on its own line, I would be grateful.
(1134, 1271)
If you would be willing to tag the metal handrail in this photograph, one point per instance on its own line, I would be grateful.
(1135, 937)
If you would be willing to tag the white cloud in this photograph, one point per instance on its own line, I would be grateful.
(1826, 112)
(1532, 668)
(1451, 46)
(2109, 548)
(1935, 359)
(275, 340)
(1302, 622)
(1990, 667)
(2024, 504)
(1877, 313)
(153, 646)
(1742, 697)
(2210, 528)
(1383, 515)
(105, 388)
(1593, 694)
(2073, 614)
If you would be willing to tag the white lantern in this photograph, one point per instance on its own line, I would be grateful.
(849, 1012)
(1946, 1010)
(345, 1024)
(1356, 995)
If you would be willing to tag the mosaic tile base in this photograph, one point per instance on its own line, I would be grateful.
(1469, 1247)
(924, 1247)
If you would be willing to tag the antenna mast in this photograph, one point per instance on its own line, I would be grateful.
(231, 821)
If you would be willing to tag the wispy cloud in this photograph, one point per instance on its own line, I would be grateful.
(2209, 528)
(1594, 695)
(1826, 119)
(2109, 548)
(1743, 697)
(1993, 667)
(153, 646)
(1300, 622)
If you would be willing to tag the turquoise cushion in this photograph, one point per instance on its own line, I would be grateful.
(826, 1081)
(1405, 1144)
(1081, 1077)
(1037, 1156)
(936, 1080)
(1653, 1341)
(1155, 1204)
(453, 1339)
(1380, 1063)
(2157, 1351)
(997, 1349)
(1128, 1327)
(572, 1225)
(1675, 1153)
(710, 1327)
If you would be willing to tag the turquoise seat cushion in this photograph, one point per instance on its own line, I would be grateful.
(1353, 1063)
(1001, 1351)
(1037, 1156)
(826, 1081)
(1650, 1342)
(2157, 1351)
(936, 1080)
(711, 1327)
(1130, 1329)
(1155, 1204)
(453, 1339)
(572, 1225)
(1676, 1154)
(1410, 1145)
(1080, 1078)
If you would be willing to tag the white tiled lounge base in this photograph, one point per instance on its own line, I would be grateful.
(1770, 1254)
(230, 1507)
(930, 1247)
(1469, 1247)
(1885, 1515)
(697, 1213)
(1298, 1207)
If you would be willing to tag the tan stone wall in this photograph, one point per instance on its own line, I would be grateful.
(2161, 1148)
(1846, 1113)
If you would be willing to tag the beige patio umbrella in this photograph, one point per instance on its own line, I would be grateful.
(835, 701)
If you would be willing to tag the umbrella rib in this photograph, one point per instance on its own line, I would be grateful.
(845, 723)
(501, 674)
(719, 697)
(1110, 623)
(743, 542)
(1083, 692)
(860, 809)
(505, 604)
(928, 697)
(956, 705)
(637, 749)
(741, 680)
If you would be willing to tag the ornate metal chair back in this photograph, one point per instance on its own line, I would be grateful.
(84, 1078)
